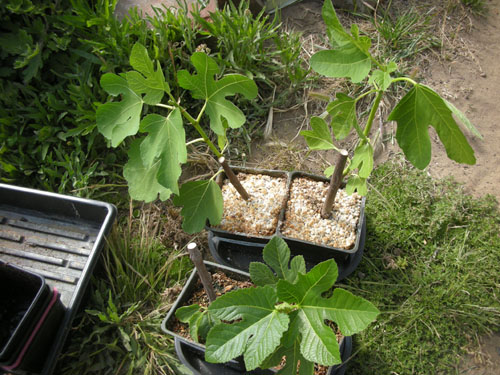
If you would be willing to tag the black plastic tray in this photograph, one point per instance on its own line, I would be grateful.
(57, 236)
(239, 254)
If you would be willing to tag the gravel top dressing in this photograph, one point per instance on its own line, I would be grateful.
(303, 215)
(259, 215)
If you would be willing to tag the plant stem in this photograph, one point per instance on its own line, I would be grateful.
(335, 182)
(407, 79)
(233, 179)
(197, 126)
(364, 94)
(373, 111)
(205, 277)
(195, 141)
(165, 106)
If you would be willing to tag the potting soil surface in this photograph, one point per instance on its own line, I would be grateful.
(259, 214)
(303, 215)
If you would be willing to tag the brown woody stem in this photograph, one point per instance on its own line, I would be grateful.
(205, 277)
(233, 179)
(335, 182)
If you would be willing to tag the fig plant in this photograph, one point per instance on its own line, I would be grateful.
(155, 160)
(285, 315)
(420, 108)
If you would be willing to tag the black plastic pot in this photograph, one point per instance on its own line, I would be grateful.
(193, 358)
(59, 238)
(192, 354)
(239, 254)
(310, 247)
(229, 248)
(31, 313)
(217, 232)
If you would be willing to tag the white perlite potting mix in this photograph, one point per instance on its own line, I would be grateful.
(259, 215)
(303, 215)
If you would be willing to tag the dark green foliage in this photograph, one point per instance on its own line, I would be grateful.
(433, 261)
(48, 89)
(52, 55)
(477, 6)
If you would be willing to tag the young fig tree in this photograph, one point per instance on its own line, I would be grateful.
(157, 155)
(285, 315)
(419, 109)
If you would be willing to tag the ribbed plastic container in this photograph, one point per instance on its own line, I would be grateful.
(23, 297)
(58, 237)
(30, 316)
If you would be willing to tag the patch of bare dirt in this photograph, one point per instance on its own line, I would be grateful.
(472, 82)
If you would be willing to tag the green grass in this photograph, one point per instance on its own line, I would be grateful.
(405, 34)
(432, 266)
(119, 330)
(476, 6)
(52, 59)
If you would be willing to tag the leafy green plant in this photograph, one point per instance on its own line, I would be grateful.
(52, 56)
(420, 108)
(283, 316)
(155, 160)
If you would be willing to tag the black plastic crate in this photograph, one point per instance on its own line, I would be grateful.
(58, 237)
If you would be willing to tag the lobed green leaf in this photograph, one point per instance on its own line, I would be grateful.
(319, 138)
(352, 314)
(350, 58)
(256, 334)
(347, 61)
(142, 179)
(203, 86)
(356, 183)
(420, 108)
(261, 274)
(118, 120)
(166, 143)
(343, 112)
(201, 201)
(146, 80)
(363, 160)
(277, 255)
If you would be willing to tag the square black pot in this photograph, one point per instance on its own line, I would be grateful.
(307, 247)
(244, 236)
(31, 312)
(238, 243)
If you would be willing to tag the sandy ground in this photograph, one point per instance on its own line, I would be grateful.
(472, 83)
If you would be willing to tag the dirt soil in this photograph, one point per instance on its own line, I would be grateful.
(468, 76)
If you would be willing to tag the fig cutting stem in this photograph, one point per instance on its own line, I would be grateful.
(205, 277)
(335, 182)
(233, 179)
